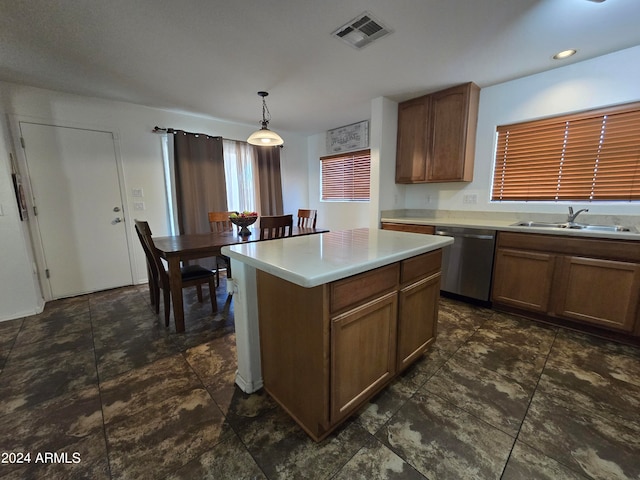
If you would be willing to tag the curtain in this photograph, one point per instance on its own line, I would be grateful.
(243, 191)
(200, 180)
(269, 180)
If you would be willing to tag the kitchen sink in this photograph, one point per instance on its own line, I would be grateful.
(577, 226)
(541, 224)
(603, 228)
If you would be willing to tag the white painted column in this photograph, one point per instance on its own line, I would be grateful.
(245, 300)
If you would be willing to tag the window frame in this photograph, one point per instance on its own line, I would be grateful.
(590, 151)
(350, 193)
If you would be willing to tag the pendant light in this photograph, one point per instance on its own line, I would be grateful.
(265, 137)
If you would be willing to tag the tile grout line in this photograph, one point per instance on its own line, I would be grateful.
(95, 356)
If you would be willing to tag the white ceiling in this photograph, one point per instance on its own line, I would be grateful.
(211, 57)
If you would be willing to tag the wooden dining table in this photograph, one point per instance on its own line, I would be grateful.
(177, 249)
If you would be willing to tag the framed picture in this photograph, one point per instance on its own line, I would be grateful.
(349, 137)
(20, 198)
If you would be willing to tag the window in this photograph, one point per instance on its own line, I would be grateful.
(240, 178)
(590, 156)
(345, 177)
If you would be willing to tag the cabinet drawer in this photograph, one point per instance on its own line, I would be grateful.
(355, 289)
(409, 227)
(420, 266)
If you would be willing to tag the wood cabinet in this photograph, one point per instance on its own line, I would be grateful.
(585, 280)
(327, 350)
(436, 136)
(418, 306)
(405, 227)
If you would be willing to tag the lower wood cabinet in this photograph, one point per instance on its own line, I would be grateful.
(590, 281)
(327, 350)
(600, 292)
(405, 227)
(523, 278)
(363, 353)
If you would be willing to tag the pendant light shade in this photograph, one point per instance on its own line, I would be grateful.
(265, 137)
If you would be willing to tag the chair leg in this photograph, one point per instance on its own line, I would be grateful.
(156, 297)
(199, 290)
(212, 294)
(167, 305)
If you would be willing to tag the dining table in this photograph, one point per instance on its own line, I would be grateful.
(179, 249)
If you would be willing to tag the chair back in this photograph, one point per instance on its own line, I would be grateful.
(219, 222)
(307, 218)
(153, 257)
(276, 226)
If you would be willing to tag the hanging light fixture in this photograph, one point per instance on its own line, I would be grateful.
(264, 136)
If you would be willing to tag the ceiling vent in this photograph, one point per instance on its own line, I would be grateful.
(361, 31)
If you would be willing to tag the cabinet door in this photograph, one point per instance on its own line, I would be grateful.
(523, 279)
(417, 319)
(453, 124)
(363, 353)
(411, 156)
(600, 292)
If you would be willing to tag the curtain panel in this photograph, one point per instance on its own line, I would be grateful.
(269, 180)
(200, 180)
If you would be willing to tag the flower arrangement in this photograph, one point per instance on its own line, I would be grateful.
(243, 220)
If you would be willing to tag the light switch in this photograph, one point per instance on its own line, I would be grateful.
(138, 206)
(137, 192)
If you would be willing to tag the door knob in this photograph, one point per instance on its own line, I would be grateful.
(117, 220)
(116, 209)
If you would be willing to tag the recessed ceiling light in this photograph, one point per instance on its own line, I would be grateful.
(564, 54)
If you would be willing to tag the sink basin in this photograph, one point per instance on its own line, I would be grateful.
(541, 224)
(576, 226)
(603, 228)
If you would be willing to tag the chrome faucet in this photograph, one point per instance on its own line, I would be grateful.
(572, 216)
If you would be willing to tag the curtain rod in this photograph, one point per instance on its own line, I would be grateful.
(157, 129)
(170, 130)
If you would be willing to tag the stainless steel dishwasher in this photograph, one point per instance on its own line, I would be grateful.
(468, 263)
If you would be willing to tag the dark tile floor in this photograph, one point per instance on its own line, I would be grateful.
(96, 387)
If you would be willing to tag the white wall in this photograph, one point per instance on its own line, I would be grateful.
(141, 154)
(332, 215)
(20, 294)
(606, 80)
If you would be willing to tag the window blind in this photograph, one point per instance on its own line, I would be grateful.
(591, 156)
(345, 177)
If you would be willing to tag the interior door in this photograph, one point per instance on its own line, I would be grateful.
(79, 225)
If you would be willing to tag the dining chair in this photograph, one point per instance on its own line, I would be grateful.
(192, 275)
(219, 222)
(276, 226)
(307, 218)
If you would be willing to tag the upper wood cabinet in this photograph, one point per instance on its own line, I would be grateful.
(436, 136)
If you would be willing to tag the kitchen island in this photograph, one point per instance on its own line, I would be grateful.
(340, 315)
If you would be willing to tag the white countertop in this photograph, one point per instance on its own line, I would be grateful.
(313, 260)
(507, 226)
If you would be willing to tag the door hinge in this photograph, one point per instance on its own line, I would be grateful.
(46, 273)
(22, 141)
(35, 210)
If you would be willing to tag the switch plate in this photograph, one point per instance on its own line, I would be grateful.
(139, 206)
(470, 199)
(137, 192)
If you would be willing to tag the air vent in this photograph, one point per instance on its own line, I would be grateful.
(361, 31)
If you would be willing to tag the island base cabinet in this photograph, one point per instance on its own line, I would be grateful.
(363, 351)
(325, 351)
(417, 319)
